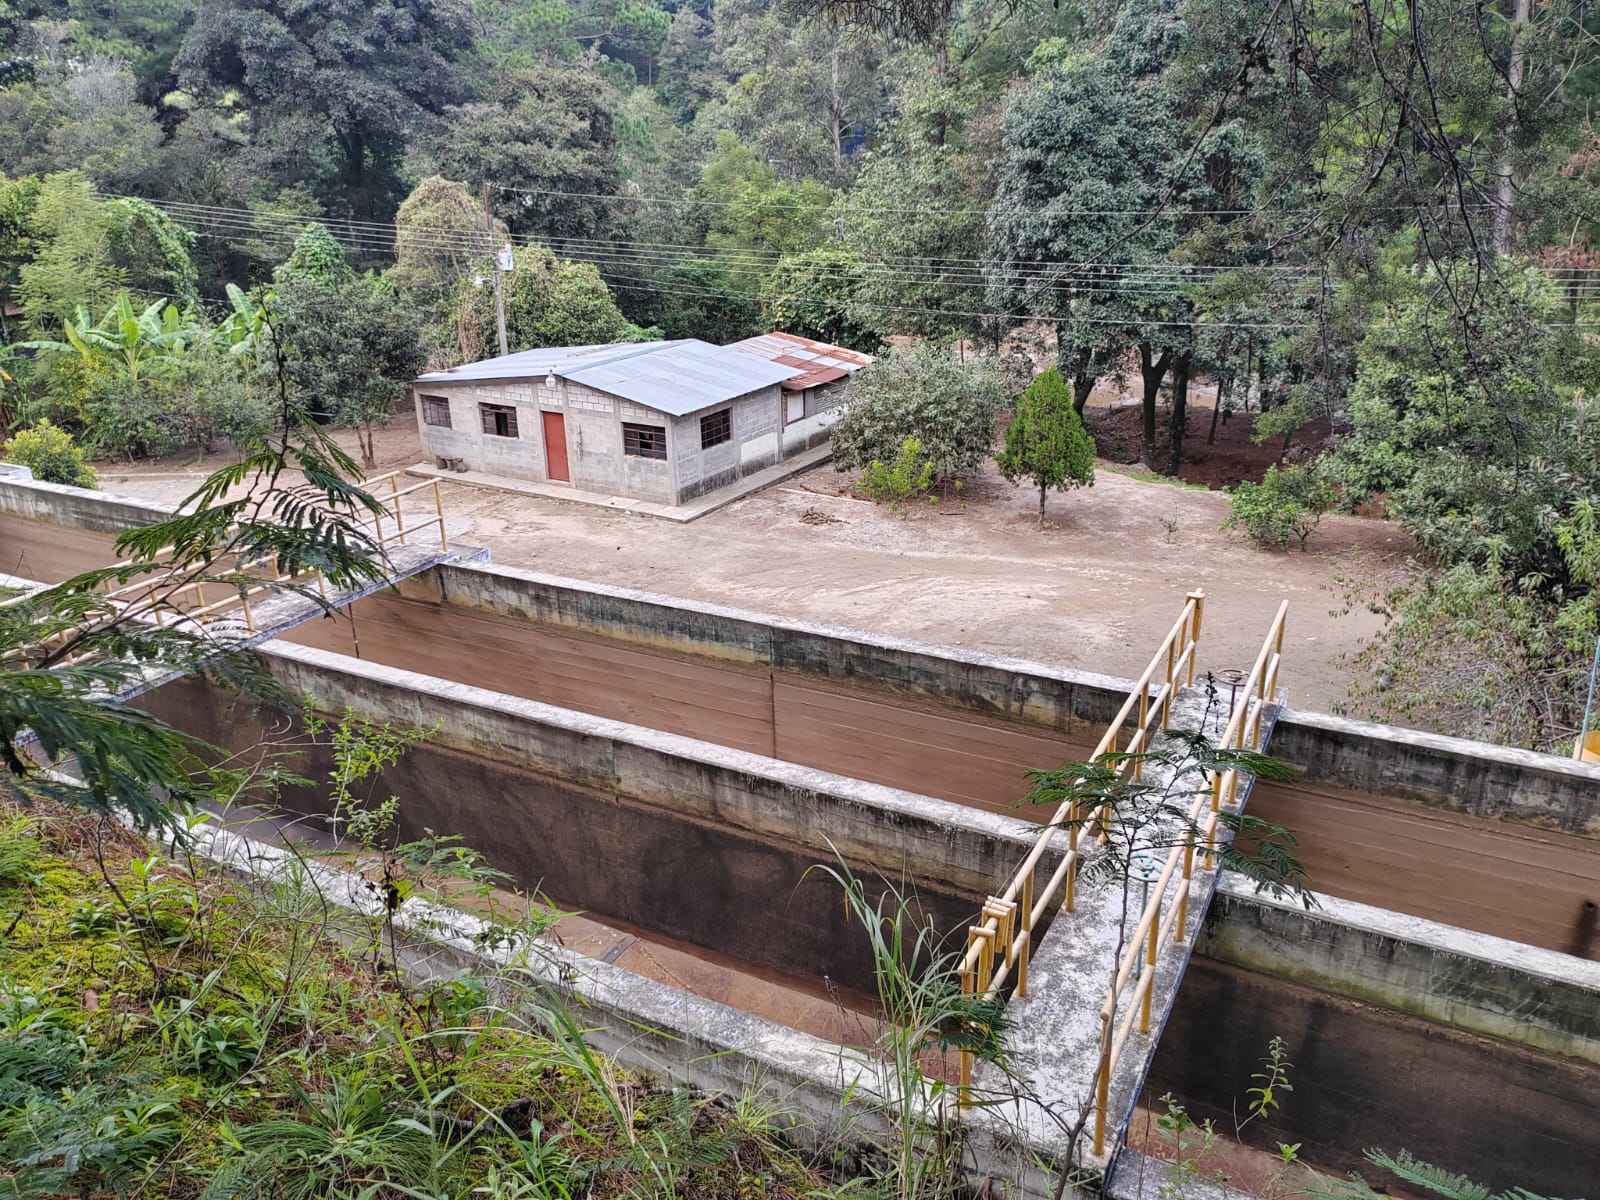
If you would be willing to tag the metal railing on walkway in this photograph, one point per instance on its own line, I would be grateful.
(191, 596)
(1003, 940)
(1132, 991)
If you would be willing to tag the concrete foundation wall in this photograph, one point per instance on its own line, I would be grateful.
(700, 843)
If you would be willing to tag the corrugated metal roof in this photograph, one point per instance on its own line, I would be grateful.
(818, 362)
(677, 378)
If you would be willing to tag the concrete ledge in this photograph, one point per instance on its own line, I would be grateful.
(78, 508)
(1454, 977)
(1057, 699)
(1476, 778)
(828, 1095)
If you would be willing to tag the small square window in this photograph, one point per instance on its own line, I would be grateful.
(499, 420)
(644, 441)
(436, 411)
(716, 428)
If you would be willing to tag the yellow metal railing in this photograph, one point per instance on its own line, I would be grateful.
(1002, 942)
(1132, 991)
(174, 597)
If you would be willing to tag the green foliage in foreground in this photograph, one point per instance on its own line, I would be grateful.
(51, 454)
(165, 1032)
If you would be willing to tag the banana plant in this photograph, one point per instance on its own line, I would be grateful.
(244, 330)
(140, 342)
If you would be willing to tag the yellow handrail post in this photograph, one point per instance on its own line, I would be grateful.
(964, 1080)
(1102, 1084)
(399, 521)
(1027, 934)
(1199, 598)
(438, 507)
(1152, 951)
(1183, 894)
(1072, 871)
(985, 956)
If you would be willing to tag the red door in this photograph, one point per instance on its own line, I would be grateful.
(555, 447)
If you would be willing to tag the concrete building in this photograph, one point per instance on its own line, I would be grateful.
(811, 398)
(658, 421)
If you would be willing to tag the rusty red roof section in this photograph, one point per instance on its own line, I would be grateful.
(820, 362)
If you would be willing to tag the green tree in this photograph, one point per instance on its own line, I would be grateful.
(549, 302)
(344, 351)
(85, 251)
(351, 79)
(1288, 502)
(814, 294)
(317, 258)
(113, 379)
(927, 393)
(920, 211)
(439, 241)
(544, 136)
(693, 298)
(799, 87)
(741, 205)
(1046, 441)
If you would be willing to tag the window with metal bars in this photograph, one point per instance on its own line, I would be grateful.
(644, 441)
(499, 420)
(436, 411)
(716, 428)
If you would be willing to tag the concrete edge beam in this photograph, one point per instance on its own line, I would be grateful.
(78, 508)
(1522, 994)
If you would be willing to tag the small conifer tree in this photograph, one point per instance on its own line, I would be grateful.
(1047, 442)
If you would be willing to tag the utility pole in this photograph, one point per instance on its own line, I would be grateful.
(499, 290)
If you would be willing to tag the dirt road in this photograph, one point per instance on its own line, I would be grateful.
(1096, 588)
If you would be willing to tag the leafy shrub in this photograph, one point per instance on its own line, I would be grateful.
(1288, 502)
(925, 393)
(911, 474)
(52, 455)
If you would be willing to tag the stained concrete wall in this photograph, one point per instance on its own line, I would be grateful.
(1364, 1076)
(1066, 701)
(700, 843)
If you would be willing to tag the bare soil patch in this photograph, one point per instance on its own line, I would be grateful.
(1233, 458)
(1095, 589)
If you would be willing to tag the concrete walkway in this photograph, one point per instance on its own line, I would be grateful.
(1054, 1040)
(681, 513)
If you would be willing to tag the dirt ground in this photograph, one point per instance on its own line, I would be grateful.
(1095, 589)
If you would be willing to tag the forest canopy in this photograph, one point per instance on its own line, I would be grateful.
(1371, 214)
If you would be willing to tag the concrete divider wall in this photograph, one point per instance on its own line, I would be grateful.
(1061, 700)
(1469, 981)
(702, 843)
(1473, 778)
